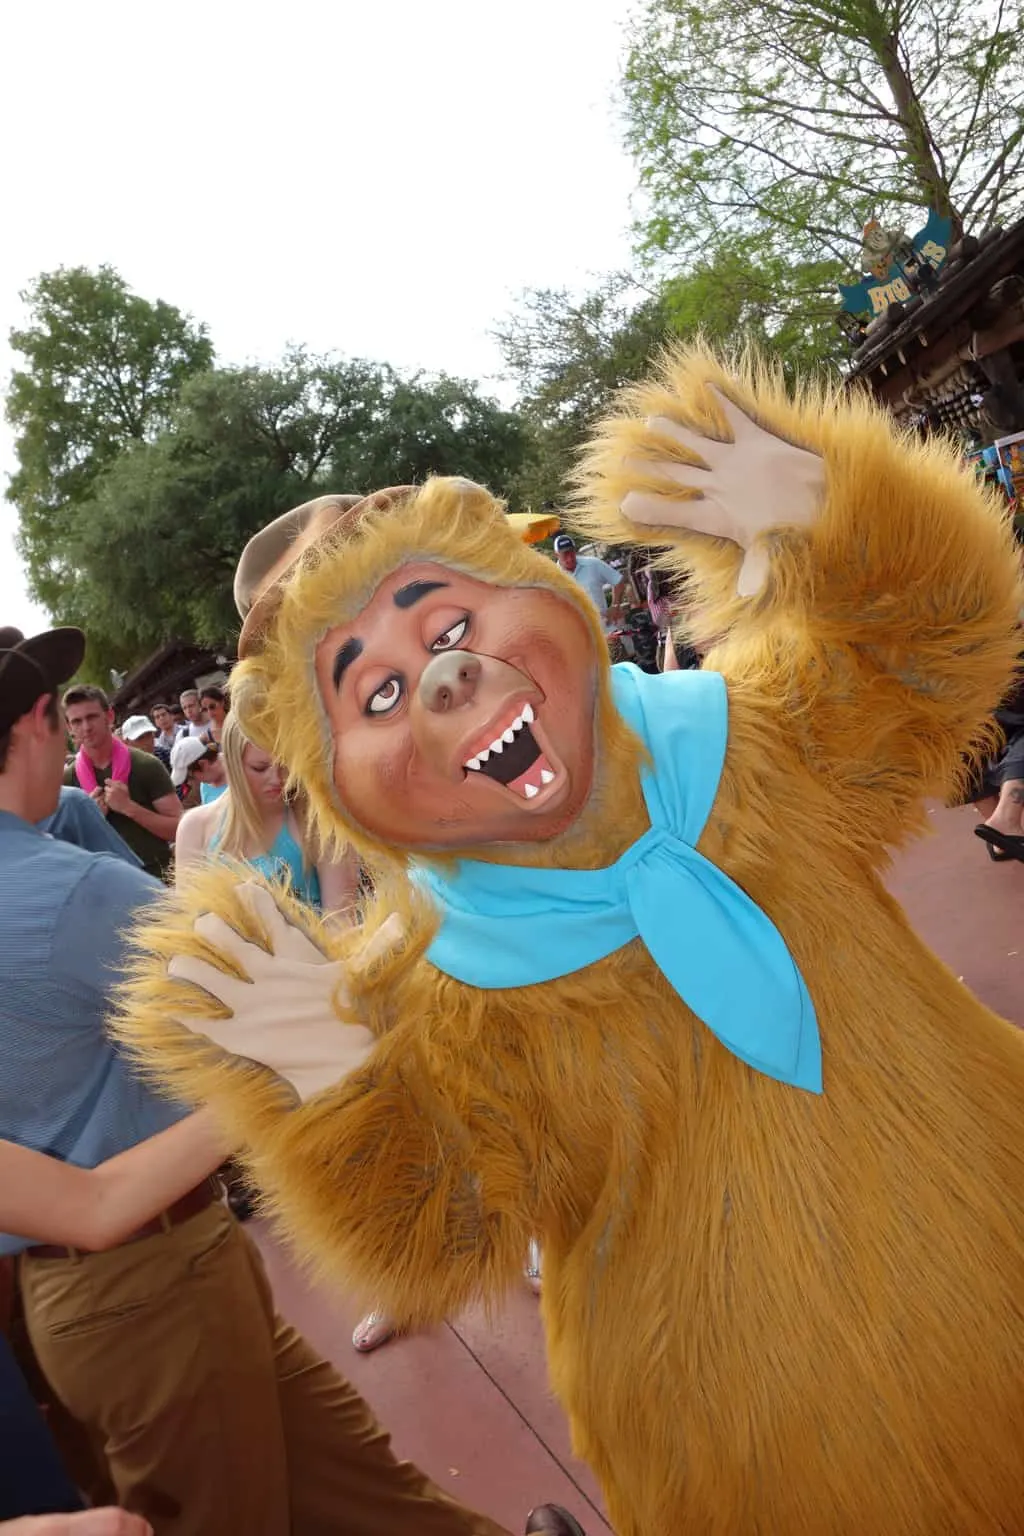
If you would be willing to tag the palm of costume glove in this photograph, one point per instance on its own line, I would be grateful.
(737, 490)
(283, 1014)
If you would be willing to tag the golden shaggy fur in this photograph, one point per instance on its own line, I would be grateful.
(766, 1311)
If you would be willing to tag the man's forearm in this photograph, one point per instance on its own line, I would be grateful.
(156, 822)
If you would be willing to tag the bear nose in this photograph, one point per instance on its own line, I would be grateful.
(450, 681)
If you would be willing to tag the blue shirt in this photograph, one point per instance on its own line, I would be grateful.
(79, 820)
(283, 860)
(64, 1089)
(594, 576)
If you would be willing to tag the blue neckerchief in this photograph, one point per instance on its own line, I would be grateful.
(508, 926)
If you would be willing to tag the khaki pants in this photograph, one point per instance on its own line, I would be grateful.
(213, 1416)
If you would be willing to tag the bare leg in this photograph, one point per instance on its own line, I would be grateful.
(1008, 815)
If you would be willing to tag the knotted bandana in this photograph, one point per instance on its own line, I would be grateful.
(508, 926)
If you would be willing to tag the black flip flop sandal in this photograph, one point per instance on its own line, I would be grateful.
(1002, 846)
(997, 857)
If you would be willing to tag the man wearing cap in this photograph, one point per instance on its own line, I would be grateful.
(131, 787)
(210, 1413)
(197, 762)
(140, 732)
(594, 576)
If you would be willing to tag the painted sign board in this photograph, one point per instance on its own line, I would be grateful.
(873, 295)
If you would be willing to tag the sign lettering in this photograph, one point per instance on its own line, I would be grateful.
(873, 297)
(888, 293)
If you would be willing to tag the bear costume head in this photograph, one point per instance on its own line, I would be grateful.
(435, 685)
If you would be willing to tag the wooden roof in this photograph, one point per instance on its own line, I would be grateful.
(165, 674)
(953, 326)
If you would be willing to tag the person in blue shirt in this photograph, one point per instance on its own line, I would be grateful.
(210, 1413)
(79, 820)
(596, 577)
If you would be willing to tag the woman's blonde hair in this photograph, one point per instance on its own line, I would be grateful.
(240, 827)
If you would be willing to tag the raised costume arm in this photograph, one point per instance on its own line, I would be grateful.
(849, 577)
(369, 1144)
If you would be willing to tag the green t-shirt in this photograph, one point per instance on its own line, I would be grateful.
(148, 782)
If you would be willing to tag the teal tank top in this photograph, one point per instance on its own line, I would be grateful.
(283, 860)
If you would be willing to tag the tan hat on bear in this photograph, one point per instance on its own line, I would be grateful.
(274, 551)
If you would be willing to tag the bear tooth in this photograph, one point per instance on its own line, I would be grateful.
(497, 745)
(528, 713)
(530, 790)
(484, 755)
(474, 764)
(517, 723)
(509, 735)
(546, 776)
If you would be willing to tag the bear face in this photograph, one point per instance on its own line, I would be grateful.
(460, 712)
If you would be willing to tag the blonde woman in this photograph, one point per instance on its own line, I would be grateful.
(256, 824)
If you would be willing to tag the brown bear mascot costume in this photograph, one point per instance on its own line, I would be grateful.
(631, 981)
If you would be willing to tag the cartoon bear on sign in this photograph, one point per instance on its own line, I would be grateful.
(635, 984)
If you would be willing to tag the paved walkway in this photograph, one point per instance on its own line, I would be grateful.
(470, 1401)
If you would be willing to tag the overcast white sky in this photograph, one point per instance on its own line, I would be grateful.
(380, 179)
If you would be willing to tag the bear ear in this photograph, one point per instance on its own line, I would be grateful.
(458, 499)
(469, 487)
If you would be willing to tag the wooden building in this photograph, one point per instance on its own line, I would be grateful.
(952, 359)
(166, 674)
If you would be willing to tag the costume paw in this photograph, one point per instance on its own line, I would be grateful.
(737, 488)
(276, 1005)
(704, 459)
(231, 964)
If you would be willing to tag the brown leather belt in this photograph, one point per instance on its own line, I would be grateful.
(197, 1200)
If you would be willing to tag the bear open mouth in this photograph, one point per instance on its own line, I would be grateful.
(514, 758)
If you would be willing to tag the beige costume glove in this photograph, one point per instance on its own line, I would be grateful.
(284, 1012)
(738, 490)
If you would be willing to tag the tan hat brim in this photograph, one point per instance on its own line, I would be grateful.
(273, 553)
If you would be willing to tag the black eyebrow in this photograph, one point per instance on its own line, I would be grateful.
(406, 596)
(345, 657)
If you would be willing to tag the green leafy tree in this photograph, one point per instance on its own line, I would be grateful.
(156, 552)
(776, 129)
(102, 370)
(433, 426)
(567, 356)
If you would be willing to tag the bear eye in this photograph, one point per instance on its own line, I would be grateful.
(386, 697)
(453, 637)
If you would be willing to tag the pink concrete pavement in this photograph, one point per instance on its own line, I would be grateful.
(469, 1402)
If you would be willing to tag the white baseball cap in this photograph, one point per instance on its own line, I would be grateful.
(136, 726)
(185, 753)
